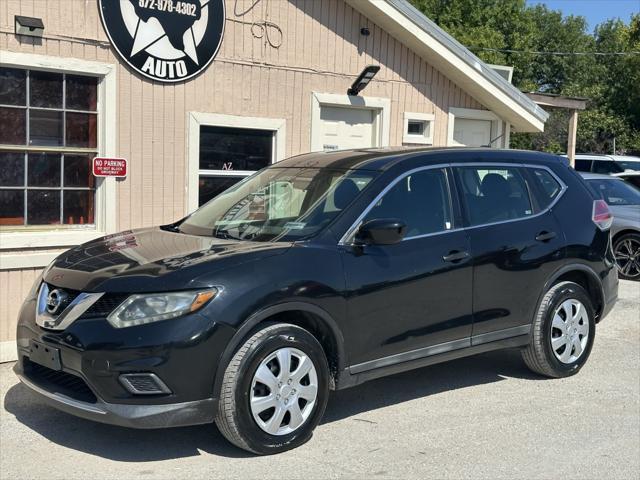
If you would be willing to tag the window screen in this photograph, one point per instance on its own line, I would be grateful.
(421, 200)
(227, 155)
(547, 188)
(494, 194)
(49, 136)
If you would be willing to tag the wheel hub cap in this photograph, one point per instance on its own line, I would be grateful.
(627, 254)
(283, 391)
(569, 331)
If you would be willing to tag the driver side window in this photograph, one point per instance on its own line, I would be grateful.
(421, 200)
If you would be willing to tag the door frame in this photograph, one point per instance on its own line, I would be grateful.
(197, 119)
(497, 125)
(381, 108)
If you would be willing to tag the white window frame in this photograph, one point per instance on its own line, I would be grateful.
(424, 139)
(198, 119)
(105, 203)
(497, 125)
(381, 107)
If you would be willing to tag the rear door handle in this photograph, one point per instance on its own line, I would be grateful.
(545, 236)
(455, 256)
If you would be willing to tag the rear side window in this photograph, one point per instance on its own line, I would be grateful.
(547, 188)
(494, 194)
(421, 200)
(583, 165)
(606, 166)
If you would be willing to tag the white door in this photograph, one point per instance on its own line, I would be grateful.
(344, 128)
(471, 132)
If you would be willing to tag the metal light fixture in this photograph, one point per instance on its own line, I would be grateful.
(363, 79)
(29, 26)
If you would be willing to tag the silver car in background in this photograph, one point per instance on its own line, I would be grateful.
(624, 201)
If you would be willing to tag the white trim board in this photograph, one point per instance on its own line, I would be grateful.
(106, 195)
(381, 106)
(196, 119)
(8, 351)
(15, 261)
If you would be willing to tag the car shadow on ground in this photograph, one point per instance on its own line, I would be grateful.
(130, 445)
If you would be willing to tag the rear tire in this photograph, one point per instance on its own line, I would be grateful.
(562, 333)
(626, 249)
(274, 390)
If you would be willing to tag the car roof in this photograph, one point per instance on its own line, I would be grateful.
(625, 158)
(604, 156)
(593, 156)
(384, 158)
(598, 176)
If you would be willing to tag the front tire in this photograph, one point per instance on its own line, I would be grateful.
(626, 249)
(562, 333)
(274, 390)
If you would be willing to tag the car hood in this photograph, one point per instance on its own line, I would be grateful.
(152, 260)
(627, 212)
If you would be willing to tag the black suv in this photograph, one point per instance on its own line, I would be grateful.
(322, 272)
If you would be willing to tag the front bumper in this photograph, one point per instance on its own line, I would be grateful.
(133, 416)
(184, 353)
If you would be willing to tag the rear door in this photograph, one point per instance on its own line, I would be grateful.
(516, 243)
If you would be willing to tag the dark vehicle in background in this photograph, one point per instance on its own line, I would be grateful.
(606, 164)
(624, 201)
(322, 272)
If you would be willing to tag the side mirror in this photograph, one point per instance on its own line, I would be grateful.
(383, 231)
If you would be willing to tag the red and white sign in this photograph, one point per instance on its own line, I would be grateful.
(109, 167)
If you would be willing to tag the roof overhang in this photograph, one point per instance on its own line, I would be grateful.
(445, 53)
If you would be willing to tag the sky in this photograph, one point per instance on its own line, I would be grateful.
(596, 11)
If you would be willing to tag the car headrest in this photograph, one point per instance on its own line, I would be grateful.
(345, 192)
(495, 185)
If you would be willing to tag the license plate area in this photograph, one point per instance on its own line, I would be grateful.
(45, 355)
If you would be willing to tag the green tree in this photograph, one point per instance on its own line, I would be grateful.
(612, 83)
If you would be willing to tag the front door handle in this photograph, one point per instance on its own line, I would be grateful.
(455, 256)
(545, 236)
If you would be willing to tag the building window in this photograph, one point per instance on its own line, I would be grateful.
(229, 154)
(418, 128)
(48, 137)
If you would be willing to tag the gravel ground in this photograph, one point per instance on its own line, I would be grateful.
(479, 417)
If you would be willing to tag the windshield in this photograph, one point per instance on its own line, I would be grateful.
(615, 192)
(278, 204)
(627, 165)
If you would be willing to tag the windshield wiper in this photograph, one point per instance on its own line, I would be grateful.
(223, 234)
(171, 228)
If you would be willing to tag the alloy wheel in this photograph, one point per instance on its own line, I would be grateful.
(283, 391)
(569, 331)
(627, 253)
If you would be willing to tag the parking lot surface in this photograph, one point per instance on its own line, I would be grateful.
(479, 417)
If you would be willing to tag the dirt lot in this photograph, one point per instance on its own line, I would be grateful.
(480, 417)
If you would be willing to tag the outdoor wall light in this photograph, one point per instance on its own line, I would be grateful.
(363, 79)
(29, 26)
(364, 31)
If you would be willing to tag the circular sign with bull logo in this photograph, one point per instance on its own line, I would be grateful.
(165, 40)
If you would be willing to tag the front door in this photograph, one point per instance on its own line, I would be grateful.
(516, 244)
(415, 294)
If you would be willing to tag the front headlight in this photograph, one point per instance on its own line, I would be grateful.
(139, 309)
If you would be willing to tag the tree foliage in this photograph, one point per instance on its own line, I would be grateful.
(611, 82)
